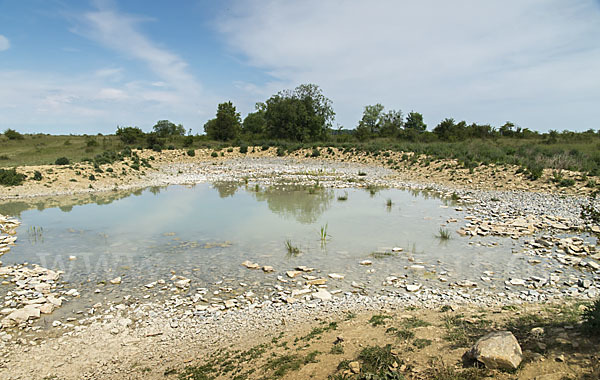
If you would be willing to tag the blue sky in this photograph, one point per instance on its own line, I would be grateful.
(87, 66)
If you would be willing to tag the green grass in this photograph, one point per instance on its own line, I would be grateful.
(337, 349)
(323, 233)
(443, 234)
(591, 318)
(292, 250)
(381, 255)
(379, 319)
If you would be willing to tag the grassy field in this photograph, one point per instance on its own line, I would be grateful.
(577, 152)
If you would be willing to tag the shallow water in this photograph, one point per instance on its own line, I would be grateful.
(206, 231)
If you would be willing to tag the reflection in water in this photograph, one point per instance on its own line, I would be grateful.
(66, 203)
(297, 203)
(226, 189)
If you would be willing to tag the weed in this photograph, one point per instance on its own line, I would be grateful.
(378, 319)
(337, 349)
(62, 161)
(362, 174)
(323, 233)
(591, 318)
(443, 234)
(191, 152)
(292, 250)
(381, 254)
(414, 322)
(203, 372)
(377, 360)
(421, 343)
(214, 154)
(283, 364)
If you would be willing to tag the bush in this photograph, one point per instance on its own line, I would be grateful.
(10, 177)
(188, 141)
(214, 154)
(315, 152)
(191, 152)
(62, 161)
(280, 151)
(244, 149)
(92, 177)
(591, 318)
(37, 176)
(11, 134)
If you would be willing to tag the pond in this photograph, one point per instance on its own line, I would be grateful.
(204, 232)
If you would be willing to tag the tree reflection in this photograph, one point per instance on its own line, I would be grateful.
(297, 202)
(226, 189)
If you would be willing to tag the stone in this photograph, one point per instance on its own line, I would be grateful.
(336, 276)
(72, 258)
(300, 292)
(229, 304)
(47, 308)
(304, 268)
(397, 249)
(497, 350)
(250, 265)
(316, 282)
(293, 273)
(183, 283)
(54, 301)
(517, 281)
(322, 295)
(42, 288)
(116, 281)
(467, 284)
(366, 262)
(354, 367)
(413, 288)
(268, 269)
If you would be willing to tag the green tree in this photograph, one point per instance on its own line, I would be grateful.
(370, 123)
(303, 114)
(391, 123)
(445, 129)
(129, 135)
(414, 121)
(227, 124)
(255, 122)
(11, 134)
(164, 128)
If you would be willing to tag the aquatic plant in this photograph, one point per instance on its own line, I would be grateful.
(323, 233)
(292, 250)
(443, 234)
(389, 203)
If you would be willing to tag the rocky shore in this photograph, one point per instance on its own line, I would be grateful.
(547, 228)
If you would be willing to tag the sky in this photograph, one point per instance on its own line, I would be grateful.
(78, 66)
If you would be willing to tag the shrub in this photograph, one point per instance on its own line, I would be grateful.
(188, 141)
(92, 177)
(315, 152)
(214, 154)
(191, 152)
(11, 134)
(37, 176)
(243, 149)
(280, 151)
(591, 318)
(10, 177)
(62, 161)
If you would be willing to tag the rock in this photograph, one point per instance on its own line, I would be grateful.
(250, 265)
(397, 249)
(42, 288)
(116, 281)
(183, 283)
(317, 281)
(497, 350)
(268, 269)
(304, 268)
(322, 295)
(584, 283)
(54, 301)
(366, 262)
(467, 284)
(354, 367)
(293, 273)
(290, 300)
(24, 314)
(229, 304)
(413, 288)
(72, 258)
(300, 292)
(336, 276)
(517, 281)
(47, 308)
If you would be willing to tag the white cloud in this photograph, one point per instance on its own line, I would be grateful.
(4, 43)
(533, 62)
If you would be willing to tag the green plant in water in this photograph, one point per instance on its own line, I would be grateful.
(292, 250)
(443, 234)
(343, 197)
(324, 232)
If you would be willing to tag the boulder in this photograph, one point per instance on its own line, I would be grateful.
(497, 350)
(322, 295)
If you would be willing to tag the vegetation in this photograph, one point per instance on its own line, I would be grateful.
(292, 250)
(591, 318)
(10, 177)
(62, 161)
(443, 234)
(226, 126)
(11, 134)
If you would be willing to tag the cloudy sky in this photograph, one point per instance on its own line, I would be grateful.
(70, 66)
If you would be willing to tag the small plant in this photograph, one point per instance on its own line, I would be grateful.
(292, 250)
(323, 233)
(381, 254)
(62, 161)
(191, 152)
(443, 234)
(389, 203)
(343, 197)
(315, 152)
(280, 151)
(37, 175)
(214, 154)
(243, 149)
(337, 349)
(421, 343)
(378, 319)
(11, 134)
(591, 318)
(361, 174)
(92, 177)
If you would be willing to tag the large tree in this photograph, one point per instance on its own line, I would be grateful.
(255, 123)
(164, 128)
(376, 123)
(414, 121)
(303, 114)
(227, 124)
